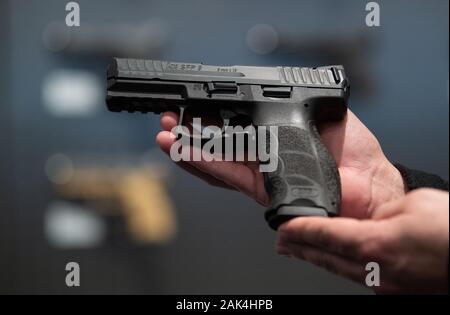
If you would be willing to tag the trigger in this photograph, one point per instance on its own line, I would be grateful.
(226, 115)
(181, 116)
(196, 132)
(181, 132)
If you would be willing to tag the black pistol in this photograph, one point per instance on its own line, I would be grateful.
(295, 99)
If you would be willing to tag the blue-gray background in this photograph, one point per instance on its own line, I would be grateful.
(223, 244)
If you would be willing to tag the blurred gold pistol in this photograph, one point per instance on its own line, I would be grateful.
(139, 193)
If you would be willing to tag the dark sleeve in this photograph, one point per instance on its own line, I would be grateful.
(417, 179)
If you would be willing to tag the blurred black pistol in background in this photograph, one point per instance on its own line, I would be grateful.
(295, 99)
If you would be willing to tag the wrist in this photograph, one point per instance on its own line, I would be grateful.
(387, 184)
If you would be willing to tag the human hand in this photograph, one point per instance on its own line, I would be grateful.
(408, 238)
(368, 179)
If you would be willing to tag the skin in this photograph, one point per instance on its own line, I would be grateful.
(407, 237)
(370, 184)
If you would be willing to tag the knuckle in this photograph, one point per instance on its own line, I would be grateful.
(371, 249)
(287, 229)
(283, 235)
(384, 246)
(324, 262)
(352, 249)
(323, 238)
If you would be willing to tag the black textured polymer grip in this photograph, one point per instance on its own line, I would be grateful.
(306, 182)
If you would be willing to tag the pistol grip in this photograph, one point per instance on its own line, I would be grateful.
(306, 181)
